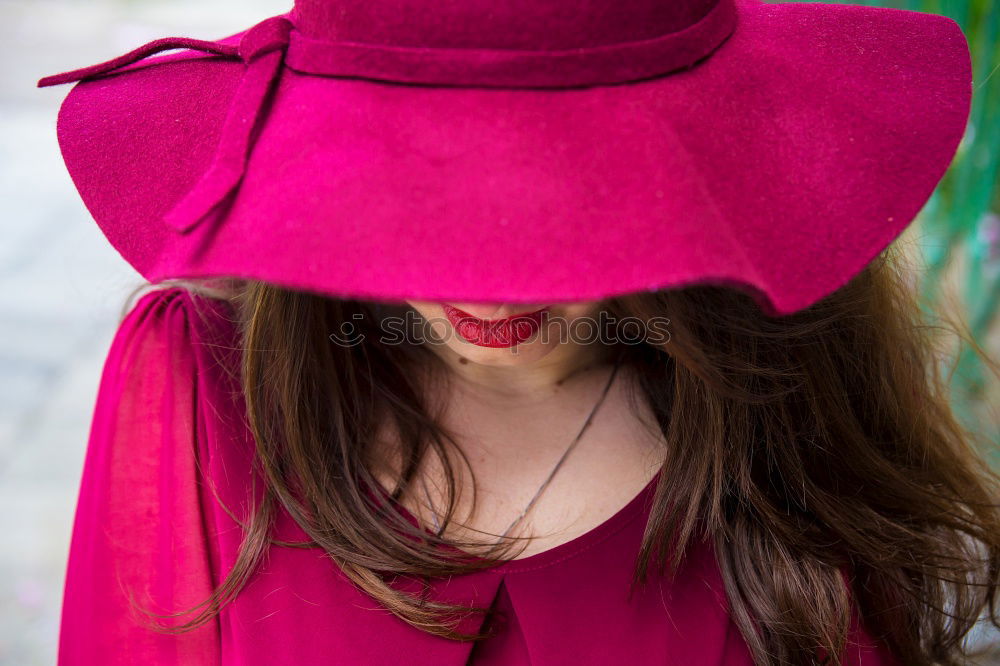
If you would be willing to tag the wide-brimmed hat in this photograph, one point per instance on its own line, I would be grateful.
(521, 151)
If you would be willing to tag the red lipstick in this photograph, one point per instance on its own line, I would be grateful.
(505, 332)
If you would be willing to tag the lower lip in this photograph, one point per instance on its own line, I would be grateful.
(506, 332)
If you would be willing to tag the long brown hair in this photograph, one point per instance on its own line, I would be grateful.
(803, 446)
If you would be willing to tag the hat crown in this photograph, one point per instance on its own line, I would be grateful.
(496, 24)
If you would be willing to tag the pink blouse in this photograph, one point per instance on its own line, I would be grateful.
(168, 427)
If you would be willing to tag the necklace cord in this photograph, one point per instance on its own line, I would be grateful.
(569, 449)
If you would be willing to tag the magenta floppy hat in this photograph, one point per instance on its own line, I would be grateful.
(522, 151)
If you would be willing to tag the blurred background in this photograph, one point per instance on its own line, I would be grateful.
(62, 286)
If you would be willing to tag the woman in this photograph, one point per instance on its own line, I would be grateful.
(481, 366)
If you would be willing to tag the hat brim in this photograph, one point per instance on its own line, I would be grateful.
(780, 165)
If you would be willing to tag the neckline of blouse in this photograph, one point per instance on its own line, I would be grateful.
(637, 505)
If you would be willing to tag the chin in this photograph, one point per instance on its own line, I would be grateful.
(521, 354)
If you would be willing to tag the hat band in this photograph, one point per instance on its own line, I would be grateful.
(515, 68)
(274, 42)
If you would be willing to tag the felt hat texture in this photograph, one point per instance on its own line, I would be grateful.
(523, 152)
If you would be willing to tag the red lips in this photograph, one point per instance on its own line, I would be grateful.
(505, 332)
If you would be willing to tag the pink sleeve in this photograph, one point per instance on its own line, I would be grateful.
(139, 527)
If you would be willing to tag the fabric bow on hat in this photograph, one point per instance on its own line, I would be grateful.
(262, 49)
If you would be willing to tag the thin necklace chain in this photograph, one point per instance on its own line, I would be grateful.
(572, 445)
